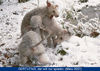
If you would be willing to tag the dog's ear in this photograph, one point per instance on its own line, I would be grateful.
(48, 4)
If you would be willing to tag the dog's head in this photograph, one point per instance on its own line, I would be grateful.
(63, 36)
(52, 9)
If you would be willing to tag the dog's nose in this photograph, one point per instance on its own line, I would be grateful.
(57, 15)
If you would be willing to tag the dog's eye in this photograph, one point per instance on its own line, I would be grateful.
(61, 38)
(53, 11)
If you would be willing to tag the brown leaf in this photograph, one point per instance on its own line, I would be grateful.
(3, 62)
(6, 55)
(7, 49)
(24, 8)
(2, 44)
(94, 34)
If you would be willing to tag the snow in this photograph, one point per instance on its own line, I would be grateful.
(80, 51)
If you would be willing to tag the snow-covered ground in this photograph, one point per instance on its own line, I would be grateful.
(78, 51)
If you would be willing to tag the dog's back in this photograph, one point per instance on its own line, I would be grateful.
(26, 26)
